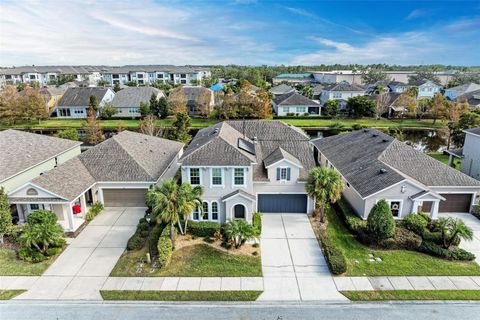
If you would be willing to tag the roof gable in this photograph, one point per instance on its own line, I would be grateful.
(133, 96)
(293, 99)
(80, 96)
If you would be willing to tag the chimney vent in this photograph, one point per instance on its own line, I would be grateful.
(375, 135)
(383, 170)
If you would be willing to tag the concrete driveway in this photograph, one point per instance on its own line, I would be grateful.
(81, 270)
(474, 223)
(293, 265)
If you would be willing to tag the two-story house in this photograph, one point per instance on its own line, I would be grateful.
(341, 92)
(248, 166)
(296, 104)
(426, 88)
(471, 153)
(75, 101)
(398, 87)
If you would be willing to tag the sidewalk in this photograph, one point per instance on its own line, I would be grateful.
(407, 283)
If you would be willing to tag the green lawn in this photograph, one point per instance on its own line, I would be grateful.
(200, 123)
(395, 262)
(444, 159)
(412, 295)
(11, 266)
(193, 261)
(180, 295)
(9, 294)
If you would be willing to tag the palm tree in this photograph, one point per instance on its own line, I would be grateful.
(324, 185)
(451, 229)
(170, 202)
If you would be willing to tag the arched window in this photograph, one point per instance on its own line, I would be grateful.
(205, 211)
(214, 210)
(239, 211)
(195, 215)
(32, 192)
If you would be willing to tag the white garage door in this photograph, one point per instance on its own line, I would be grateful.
(124, 197)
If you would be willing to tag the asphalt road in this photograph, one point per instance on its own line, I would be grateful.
(34, 310)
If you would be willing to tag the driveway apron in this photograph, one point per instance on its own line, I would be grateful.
(293, 265)
(81, 270)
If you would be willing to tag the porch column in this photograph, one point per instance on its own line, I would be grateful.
(450, 160)
(21, 213)
(435, 206)
(83, 204)
(68, 215)
(415, 207)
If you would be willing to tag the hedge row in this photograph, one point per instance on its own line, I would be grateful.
(335, 258)
(436, 250)
(353, 222)
(257, 223)
(138, 239)
(165, 247)
(203, 228)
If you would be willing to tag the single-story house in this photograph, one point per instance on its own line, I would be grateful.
(249, 166)
(294, 103)
(281, 89)
(52, 96)
(454, 92)
(376, 166)
(75, 101)
(116, 173)
(472, 98)
(393, 107)
(128, 100)
(192, 93)
(341, 92)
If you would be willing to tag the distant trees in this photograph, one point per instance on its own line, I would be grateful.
(382, 101)
(305, 89)
(177, 101)
(438, 109)
(360, 106)
(424, 73)
(331, 107)
(103, 83)
(116, 87)
(108, 111)
(93, 102)
(180, 128)
(62, 79)
(463, 78)
(93, 131)
(373, 75)
(27, 105)
(70, 133)
(148, 126)
(203, 103)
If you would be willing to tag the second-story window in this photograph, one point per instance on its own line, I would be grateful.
(195, 176)
(183, 75)
(239, 176)
(217, 177)
(337, 95)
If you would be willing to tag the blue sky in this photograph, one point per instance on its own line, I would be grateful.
(239, 32)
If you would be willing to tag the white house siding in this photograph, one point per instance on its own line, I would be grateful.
(248, 203)
(338, 95)
(471, 153)
(427, 90)
(354, 199)
(286, 110)
(23, 177)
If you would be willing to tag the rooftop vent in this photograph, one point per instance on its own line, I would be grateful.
(365, 130)
(385, 140)
(215, 131)
(375, 135)
(383, 170)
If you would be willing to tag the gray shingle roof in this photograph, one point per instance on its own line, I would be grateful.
(343, 86)
(281, 89)
(20, 150)
(372, 161)
(239, 191)
(192, 92)
(133, 96)
(294, 99)
(126, 157)
(464, 88)
(278, 155)
(471, 97)
(80, 96)
(218, 145)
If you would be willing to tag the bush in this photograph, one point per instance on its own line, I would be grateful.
(203, 228)
(335, 258)
(407, 239)
(436, 250)
(432, 236)
(135, 242)
(208, 239)
(380, 223)
(94, 210)
(415, 223)
(353, 222)
(154, 236)
(31, 255)
(165, 248)
(257, 223)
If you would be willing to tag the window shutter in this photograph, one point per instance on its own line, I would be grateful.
(278, 174)
(288, 174)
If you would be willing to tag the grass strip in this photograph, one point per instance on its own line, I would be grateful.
(180, 295)
(9, 294)
(382, 295)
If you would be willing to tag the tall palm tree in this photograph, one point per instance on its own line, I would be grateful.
(170, 202)
(324, 185)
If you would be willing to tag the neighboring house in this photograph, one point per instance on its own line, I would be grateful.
(372, 87)
(393, 108)
(52, 96)
(75, 101)
(376, 166)
(341, 92)
(317, 91)
(248, 166)
(281, 89)
(25, 156)
(454, 92)
(116, 173)
(471, 153)
(128, 100)
(426, 88)
(398, 87)
(294, 103)
(337, 76)
(192, 93)
(293, 78)
(472, 98)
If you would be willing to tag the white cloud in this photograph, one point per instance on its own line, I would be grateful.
(416, 13)
(405, 48)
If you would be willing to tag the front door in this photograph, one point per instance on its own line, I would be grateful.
(239, 211)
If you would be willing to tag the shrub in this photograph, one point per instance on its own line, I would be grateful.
(380, 223)
(415, 223)
(154, 236)
(94, 210)
(432, 236)
(335, 258)
(353, 222)
(208, 239)
(135, 242)
(42, 231)
(165, 248)
(407, 239)
(31, 255)
(476, 211)
(436, 250)
(239, 231)
(203, 228)
(257, 223)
